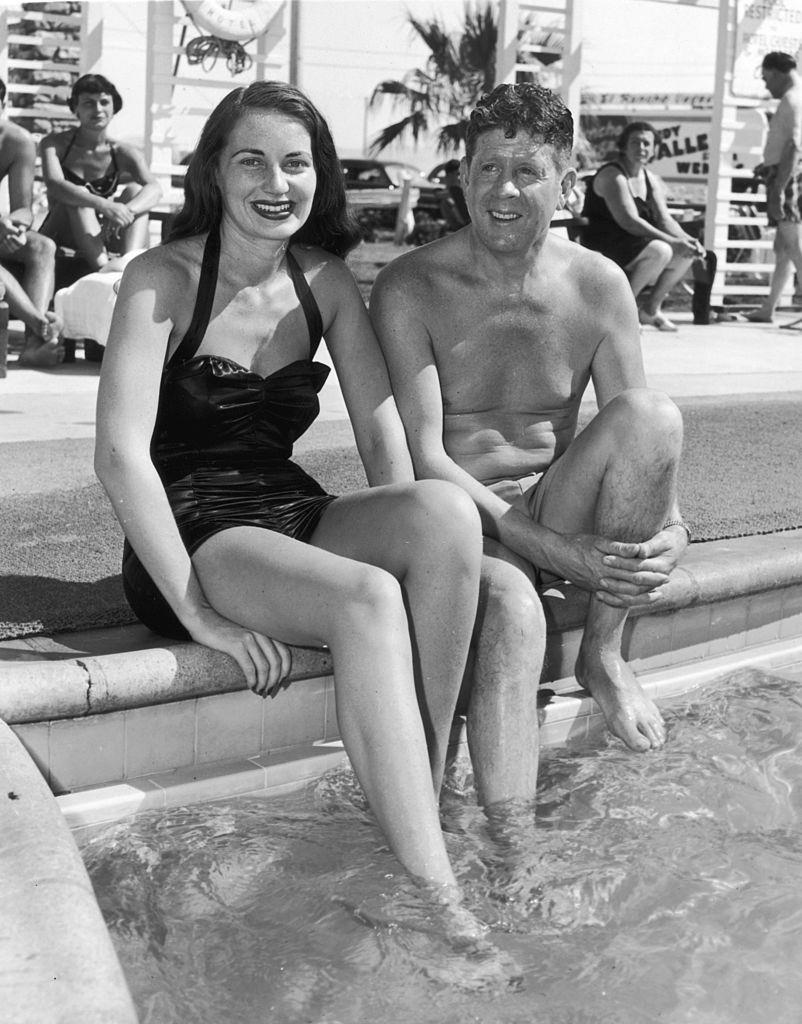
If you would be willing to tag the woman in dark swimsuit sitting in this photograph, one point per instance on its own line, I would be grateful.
(628, 221)
(208, 379)
(98, 191)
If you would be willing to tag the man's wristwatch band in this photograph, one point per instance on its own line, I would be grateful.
(679, 522)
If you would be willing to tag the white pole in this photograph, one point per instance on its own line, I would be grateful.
(719, 184)
(295, 43)
(572, 57)
(507, 41)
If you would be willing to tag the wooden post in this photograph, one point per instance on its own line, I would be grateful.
(571, 90)
(159, 91)
(92, 38)
(3, 338)
(404, 212)
(507, 41)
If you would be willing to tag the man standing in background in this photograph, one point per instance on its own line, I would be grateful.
(780, 170)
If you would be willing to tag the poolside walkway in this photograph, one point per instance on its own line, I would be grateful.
(715, 360)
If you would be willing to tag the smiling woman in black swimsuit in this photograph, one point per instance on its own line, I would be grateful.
(98, 191)
(208, 379)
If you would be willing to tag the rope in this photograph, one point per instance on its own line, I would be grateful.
(205, 50)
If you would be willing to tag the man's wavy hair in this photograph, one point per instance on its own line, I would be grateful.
(523, 108)
(330, 224)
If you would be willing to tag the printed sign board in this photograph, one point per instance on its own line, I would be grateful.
(682, 158)
(763, 26)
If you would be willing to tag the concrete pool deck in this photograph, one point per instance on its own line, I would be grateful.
(119, 720)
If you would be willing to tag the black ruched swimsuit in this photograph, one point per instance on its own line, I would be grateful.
(105, 186)
(223, 440)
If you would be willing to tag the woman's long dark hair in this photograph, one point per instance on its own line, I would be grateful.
(330, 224)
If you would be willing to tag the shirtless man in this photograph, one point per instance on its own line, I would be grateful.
(33, 257)
(781, 170)
(492, 335)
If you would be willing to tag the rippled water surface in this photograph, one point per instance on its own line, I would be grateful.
(663, 888)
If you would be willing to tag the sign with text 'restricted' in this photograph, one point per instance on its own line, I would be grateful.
(763, 26)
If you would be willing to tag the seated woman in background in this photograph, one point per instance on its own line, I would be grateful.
(208, 379)
(628, 221)
(98, 191)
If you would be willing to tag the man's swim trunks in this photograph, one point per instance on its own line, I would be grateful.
(783, 204)
(526, 494)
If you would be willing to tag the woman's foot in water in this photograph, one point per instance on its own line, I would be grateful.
(448, 943)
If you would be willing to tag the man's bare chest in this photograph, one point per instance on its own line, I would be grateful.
(518, 357)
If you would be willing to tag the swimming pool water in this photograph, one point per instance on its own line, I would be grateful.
(661, 888)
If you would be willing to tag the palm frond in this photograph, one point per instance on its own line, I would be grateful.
(444, 56)
(477, 49)
(461, 67)
(399, 91)
(415, 123)
(451, 137)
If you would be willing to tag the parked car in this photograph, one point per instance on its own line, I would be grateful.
(377, 184)
(437, 175)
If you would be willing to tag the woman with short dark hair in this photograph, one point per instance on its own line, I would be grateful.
(98, 191)
(628, 221)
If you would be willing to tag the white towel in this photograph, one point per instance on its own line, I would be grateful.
(86, 307)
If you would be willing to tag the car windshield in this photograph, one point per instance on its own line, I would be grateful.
(396, 172)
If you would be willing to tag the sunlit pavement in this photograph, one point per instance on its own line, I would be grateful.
(720, 359)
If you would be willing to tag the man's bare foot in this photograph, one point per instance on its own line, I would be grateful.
(759, 316)
(43, 347)
(52, 327)
(41, 354)
(629, 713)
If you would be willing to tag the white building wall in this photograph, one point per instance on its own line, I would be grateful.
(348, 46)
(115, 47)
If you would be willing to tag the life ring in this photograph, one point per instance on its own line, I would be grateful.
(214, 17)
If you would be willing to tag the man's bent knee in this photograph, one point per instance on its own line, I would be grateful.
(39, 248)
(509, 603)
(647, 409)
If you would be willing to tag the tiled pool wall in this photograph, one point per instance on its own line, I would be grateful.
(170, 724)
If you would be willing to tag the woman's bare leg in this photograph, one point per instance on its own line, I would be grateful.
(428, 536)
(135, 236)
(648, 265)
(303, 594)
(87, 235)
(677, 268)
